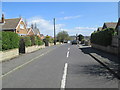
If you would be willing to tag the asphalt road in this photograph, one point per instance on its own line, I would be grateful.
(61, 66)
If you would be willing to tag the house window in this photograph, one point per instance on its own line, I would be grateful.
(21, 26)
(18, 31)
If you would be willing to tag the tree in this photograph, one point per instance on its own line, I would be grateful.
(80, 37)
(63, 36)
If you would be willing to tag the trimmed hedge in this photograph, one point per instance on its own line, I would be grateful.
(10, 40)
(39, 41)
(27, 41)
(32, 40)
(103, 37)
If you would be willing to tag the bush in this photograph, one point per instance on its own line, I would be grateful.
(48, 39)
(82, 41)
(103, 37)
(33, 42)
(27, 41)
(10, 40)
(39, 41)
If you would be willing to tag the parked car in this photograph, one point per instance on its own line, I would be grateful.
(74, 42)
(69, 42)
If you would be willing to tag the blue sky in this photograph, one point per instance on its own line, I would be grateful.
(74, 17)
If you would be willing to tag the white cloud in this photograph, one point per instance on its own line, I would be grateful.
(69, 17)
(45, 26)
(86, 31)
(85, 28)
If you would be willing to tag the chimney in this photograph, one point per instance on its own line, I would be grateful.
(3, 18)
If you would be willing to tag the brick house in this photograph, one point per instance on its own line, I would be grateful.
(16, 25)
(42, 36)
(30, 32)
(109, 25)
(35, 30)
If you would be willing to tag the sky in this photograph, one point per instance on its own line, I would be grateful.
(73, 17)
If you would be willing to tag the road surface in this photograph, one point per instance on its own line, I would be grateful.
(60, 66)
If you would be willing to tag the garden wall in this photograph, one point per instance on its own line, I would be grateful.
(9, 54)
(115, 41)
(109, 49)
(33, 48)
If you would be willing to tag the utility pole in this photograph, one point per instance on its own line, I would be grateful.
(54, 33)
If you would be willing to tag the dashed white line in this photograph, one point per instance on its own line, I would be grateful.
(63, 82)
(68, 49)
(68, 54)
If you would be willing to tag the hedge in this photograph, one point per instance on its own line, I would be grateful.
(103, 37)
(32, 40)
(27, 41)
(39, 41)
(10, 40)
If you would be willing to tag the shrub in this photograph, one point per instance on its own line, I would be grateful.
(39, 41)
(48, 39)
(33, 42)
(82, 41)
(103, 37)
(10, 40)
(27, 41)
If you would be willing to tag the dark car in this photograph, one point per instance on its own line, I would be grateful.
(74, 42)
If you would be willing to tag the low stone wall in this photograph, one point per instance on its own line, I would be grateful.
(8, 54)
(51, 44)
(33, 48)
(58, 43)
(115, 41)
(109, 49)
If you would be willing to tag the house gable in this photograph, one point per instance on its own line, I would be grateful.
(30, 32)
(21, 28)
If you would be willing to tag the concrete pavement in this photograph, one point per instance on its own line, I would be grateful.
(65, 66)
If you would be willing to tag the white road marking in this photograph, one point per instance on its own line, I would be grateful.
(68, 49)
(63, 82)
(68, 54)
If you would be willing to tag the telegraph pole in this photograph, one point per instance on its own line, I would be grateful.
(54, 33)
